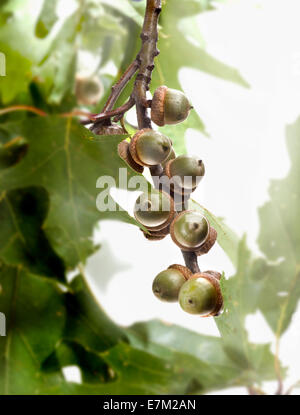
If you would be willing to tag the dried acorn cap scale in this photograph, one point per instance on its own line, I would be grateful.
(124, 153)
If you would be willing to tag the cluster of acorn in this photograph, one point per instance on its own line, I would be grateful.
(160, 212)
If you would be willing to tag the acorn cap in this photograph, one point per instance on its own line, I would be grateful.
(113, 129)
(215, 274)
(158, 105)
(209, 243)
(173, 231)
(185, 271)
(124, 153)
(156, 235)
(152, 237)
(219, 299)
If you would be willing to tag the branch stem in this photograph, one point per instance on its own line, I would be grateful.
(145, 58)
(120, 85)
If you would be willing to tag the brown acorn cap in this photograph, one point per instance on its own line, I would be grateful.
(209, 243)
(157, 235)
(184, 248)
(214, 281)
(124, 153)
(215, 274)
(187, 273)
(132, 147)
(157, 105)
(152, 237)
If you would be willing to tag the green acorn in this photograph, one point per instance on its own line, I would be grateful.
(149, 147)
(185, 171)
(169, 106)
(189, 230)
(201, 295)
(167, 284)
(154, 210)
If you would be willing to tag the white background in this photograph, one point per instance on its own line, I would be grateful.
(246, 149)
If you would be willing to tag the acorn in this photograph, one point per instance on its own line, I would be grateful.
(190, 230)
(201, 295)
(155, 211)
(149, 147)
(124, 153)
(88, 91)
(169, 106)
(186, 172)
(167, 284)
(113, 129)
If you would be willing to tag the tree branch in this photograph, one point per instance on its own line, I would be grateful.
(116, 112)
(145, 58)
(120, 85)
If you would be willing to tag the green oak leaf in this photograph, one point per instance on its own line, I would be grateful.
(66, 160)
(22, 239)
(18, 74)
(239, 293)
(46, 19)
(227, 238)
(58, 66)
(279, 240)
(35, 319)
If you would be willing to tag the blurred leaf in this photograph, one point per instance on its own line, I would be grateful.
(126, 7)
(57, 151)
(227, 238)
(35, 317)
(22, 239)
(279, 240)
(256, 360)
(47, 18)
(87, 324)
(18, 74)
(59, 64)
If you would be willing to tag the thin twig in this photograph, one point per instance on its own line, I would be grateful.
(120, 85)
(23, 108)
(120, 111)
(145, 58)
(191, 261)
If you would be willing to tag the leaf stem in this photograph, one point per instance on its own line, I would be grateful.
(23, 108)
